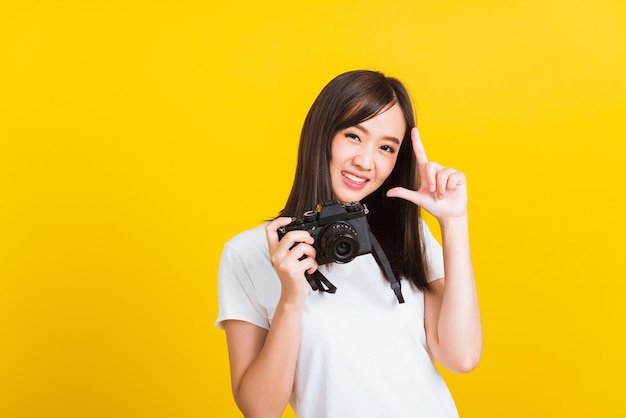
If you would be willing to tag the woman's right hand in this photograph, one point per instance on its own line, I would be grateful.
(263, 362)
(291, 256)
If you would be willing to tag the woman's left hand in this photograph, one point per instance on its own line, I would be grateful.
(442, 192)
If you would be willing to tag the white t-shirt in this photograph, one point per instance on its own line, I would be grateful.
(362, 354)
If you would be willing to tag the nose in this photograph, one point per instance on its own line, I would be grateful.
(364, 159)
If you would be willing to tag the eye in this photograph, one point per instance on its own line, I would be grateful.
(388, 148)
(353, 137)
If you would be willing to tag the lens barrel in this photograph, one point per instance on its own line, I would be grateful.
(339, 242)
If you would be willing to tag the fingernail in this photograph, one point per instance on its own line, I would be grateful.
(440, 196)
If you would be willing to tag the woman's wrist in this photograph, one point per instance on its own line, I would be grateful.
(291, 304)
(454, 223)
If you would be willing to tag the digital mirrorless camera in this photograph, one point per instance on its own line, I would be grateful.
(340, 233)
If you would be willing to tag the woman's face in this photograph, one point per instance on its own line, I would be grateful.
(363, 156)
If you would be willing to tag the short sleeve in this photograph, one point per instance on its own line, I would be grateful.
(434, 254)
(237, 297)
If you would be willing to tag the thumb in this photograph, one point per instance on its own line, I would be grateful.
(272, 228)
(406, 194)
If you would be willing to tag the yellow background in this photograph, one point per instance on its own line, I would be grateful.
(136, 137)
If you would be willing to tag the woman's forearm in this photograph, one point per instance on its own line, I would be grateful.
(266, 386)
(459, 326)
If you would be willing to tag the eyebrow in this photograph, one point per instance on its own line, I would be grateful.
(388, 138)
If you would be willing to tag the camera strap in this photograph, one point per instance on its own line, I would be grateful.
(383, 262)
(319, 282)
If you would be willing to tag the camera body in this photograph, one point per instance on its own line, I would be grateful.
(340, 231)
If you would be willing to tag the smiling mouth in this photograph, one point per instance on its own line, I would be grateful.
(353, 178)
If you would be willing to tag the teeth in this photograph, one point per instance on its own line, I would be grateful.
(353, 178)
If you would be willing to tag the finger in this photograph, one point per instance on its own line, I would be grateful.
(289, 259)
(418, 147)
(420, 155)
(309, 264)
(312, 269)
(272, 227)
(443, 177)
(301, 250)
(291, 240)
(430, 175)
(456, 179)
(406, 194)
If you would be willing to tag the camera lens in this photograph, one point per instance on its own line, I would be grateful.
(343, 248)
(339, 242)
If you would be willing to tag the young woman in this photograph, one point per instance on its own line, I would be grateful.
(357, 352)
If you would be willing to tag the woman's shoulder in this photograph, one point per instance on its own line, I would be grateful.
(252, 239)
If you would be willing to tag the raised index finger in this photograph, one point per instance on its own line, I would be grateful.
(418, 147)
